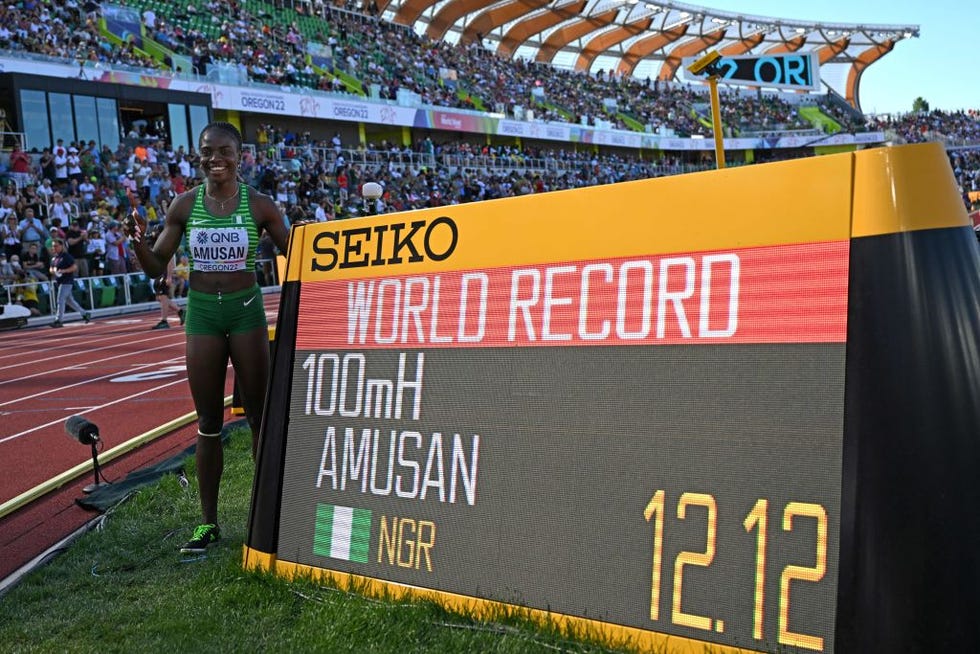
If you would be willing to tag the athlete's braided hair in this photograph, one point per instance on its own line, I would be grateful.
(227, 128)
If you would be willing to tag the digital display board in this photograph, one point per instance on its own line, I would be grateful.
(583, 403)
(781, 71)
(503, 473)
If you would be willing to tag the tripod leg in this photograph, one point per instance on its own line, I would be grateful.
(98, 473)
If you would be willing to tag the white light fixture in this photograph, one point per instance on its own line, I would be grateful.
(372, 191)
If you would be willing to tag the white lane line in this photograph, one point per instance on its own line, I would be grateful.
(95, 408)
(94, 334)
(102, 406)
(84, 381)
(115, 345)
(86, 364)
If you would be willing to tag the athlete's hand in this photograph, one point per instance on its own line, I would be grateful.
(134, 225)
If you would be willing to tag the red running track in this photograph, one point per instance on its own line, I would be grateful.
(117, 373)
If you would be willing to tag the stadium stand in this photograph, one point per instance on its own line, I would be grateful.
(267, 43)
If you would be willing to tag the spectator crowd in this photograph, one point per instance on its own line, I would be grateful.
(368, 56)
(79, 192)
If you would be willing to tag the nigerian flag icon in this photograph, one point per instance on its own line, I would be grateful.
(342, 532)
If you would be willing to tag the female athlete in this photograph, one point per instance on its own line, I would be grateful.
(222, 219)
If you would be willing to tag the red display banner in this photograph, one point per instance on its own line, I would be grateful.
(777, 294)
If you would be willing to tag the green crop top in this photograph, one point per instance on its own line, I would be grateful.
(222, 243)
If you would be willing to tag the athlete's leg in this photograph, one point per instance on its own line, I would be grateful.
(250, 357)
(207, 363)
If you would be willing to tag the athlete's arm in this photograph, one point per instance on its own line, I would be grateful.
(269, 218)
(154, 260)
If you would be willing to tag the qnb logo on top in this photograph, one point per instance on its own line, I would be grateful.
(219, 249)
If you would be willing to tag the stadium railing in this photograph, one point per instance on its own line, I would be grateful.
(454, 162)
(114, 294)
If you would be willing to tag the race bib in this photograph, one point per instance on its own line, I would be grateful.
(219, 249)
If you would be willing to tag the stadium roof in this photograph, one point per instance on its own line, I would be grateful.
(645, 38)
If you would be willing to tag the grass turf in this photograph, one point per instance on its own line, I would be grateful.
(123, 587)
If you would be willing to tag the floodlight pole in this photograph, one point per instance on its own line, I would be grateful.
(716, 122)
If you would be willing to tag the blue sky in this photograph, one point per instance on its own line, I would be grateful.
(936, 66)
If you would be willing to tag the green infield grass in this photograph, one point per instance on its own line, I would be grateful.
(124, 587)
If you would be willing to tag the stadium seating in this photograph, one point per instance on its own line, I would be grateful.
(462, 170)
(140, 288)
(113, 292)
(81, 294)
(44, 298)
(389, 57)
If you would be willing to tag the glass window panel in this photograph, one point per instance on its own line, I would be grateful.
(36, 131)
(199, 120)
(108, 123)
(179, 132)
(62, 125)
(86, 119)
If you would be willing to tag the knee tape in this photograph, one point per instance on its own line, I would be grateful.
(201, 433)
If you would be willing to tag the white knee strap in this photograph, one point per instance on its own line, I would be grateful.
(201, 433)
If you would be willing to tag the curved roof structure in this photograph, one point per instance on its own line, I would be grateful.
(645, 38)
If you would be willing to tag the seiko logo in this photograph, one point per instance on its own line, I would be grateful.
(383, 245)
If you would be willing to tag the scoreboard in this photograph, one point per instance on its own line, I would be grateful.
(791, 71)
(627, 406)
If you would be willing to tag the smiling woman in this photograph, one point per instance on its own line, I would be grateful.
(223, 219)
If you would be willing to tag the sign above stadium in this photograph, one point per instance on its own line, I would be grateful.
(780, 71)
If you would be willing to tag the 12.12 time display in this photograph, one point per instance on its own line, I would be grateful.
(756, 522)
